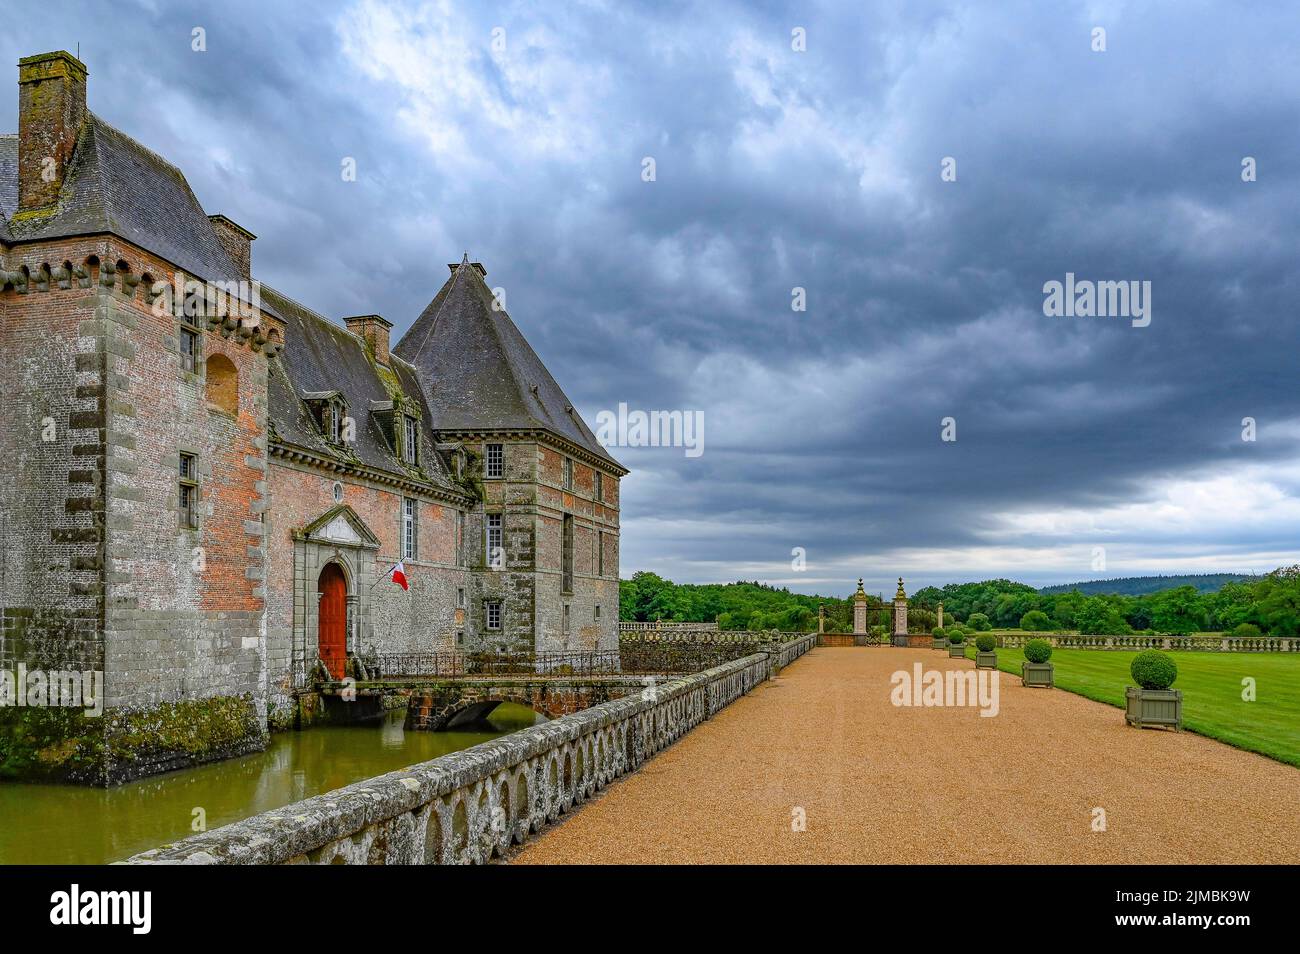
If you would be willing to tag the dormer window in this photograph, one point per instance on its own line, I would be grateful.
(331, 414)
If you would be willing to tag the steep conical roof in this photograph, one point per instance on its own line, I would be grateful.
(478, 372)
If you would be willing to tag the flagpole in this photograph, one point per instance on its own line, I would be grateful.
(387, 574)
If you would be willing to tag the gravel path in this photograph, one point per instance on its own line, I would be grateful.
(886, 784)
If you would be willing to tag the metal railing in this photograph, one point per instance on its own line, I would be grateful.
(664, 659)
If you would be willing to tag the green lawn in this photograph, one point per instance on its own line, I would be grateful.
(1212, 688)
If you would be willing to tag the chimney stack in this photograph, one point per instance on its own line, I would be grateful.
(51, 111)
(373, 330)
(238, 243)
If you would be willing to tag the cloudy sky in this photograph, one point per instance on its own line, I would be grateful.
(520, 134)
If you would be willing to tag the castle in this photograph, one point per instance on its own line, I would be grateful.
(205, 483)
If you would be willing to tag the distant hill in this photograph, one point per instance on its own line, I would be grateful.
(1140, 585)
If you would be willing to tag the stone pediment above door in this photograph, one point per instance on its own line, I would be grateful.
(339, 526)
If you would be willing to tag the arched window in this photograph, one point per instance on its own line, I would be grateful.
(223, 384)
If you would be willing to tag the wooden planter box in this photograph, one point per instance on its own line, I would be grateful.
(986, 660)
(956, 650)
(939, 643)
(1038, 675)
(1154, 708)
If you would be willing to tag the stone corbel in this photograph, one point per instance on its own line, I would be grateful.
(107, 274)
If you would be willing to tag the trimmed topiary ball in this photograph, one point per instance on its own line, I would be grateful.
(938, 633)
(985, 643)
(956, 637)
(1153, 669)
(1038, 650)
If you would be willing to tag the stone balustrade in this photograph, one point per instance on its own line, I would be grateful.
(467, 807)
(787, 652)
(1202, 643)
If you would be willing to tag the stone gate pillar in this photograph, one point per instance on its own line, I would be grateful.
(900, 615)
(860, 616)
(938, 622)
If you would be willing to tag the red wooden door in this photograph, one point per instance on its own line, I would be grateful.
(333, 632)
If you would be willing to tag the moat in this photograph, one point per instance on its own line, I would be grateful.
(74, 825)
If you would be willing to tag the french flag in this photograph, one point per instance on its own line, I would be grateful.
(399, 575)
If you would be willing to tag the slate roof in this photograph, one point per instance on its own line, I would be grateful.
(470, 367)
(114, 184)
(480, 374)
(8, 182)
(321, 357)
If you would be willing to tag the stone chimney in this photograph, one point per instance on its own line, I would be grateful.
(373, 330)
(238, 243)
(51, 111)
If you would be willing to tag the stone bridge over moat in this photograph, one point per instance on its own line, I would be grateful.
(448, 690)
(437, 703)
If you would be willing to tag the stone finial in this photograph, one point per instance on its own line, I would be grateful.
(861, 594)
(901, 594)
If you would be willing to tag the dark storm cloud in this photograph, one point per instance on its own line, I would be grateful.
(818, 169)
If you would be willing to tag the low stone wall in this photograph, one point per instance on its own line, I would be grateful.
(466, 807)
(1224, 644)
(785, 653)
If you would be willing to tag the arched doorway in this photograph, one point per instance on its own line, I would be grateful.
(333, 619)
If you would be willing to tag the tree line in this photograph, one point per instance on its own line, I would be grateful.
(1269, 604)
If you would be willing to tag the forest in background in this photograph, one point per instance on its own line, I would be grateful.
(1246, 606)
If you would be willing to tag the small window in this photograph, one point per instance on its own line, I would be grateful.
(493, 612)
(409, 528)
(599, 486)
(495, 554)
(338, 492)
(568, 473)
(597, 612)
(600, 554)
(189, 492)
(460, 637)
(189, 350)
(566, 553)
(495, 461)
(411, 448)
(566, 618)
(460, 596)
(335, 422)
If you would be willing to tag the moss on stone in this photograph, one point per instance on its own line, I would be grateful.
(67, 745)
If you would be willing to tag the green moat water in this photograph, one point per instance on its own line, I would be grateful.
(57, 824)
